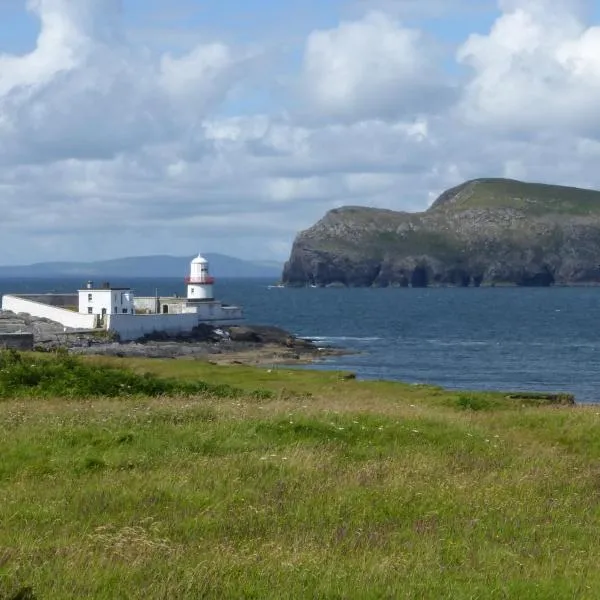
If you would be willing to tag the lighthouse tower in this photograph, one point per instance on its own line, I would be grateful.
(199, 282)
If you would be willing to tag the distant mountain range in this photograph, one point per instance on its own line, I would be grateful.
(146, 266)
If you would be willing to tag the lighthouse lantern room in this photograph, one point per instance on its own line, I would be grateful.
(199, 282)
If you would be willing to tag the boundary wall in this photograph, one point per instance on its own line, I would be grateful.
(132, 327)
(67, 318)
(52, 299)
(16, 341)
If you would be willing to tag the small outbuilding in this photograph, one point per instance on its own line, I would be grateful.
(105, 300)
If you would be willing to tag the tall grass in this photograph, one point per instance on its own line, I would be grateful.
(62, 375)
(342, 489)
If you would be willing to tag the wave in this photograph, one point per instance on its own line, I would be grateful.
(340, 338)
(463, 343)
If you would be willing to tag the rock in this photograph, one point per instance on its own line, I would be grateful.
(560, 399)
(264, 334)
(240, 333)
(483, 232)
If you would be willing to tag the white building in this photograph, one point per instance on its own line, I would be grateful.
(105, 300)
(118, 310)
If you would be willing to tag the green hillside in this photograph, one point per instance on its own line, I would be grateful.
(532, 198)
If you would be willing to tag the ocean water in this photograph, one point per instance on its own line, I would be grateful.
(543, 339)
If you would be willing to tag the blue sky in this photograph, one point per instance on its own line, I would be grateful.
(145, 126)
(249, 20)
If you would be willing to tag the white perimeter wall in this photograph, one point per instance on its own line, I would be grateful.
(67, 318)
(132, 327)
(214, 311)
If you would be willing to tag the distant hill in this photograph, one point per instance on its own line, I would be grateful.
(221, 266)
(482, 232)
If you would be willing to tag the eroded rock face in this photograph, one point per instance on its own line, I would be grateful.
(485, 232)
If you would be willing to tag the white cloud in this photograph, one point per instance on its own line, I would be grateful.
(86, 92)
(111, 148)
(537, 70)
(371, 68)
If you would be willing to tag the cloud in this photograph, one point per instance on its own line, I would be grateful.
(110, 147)
(422, 8)
(537, 70)
(372, 68)
(86, 92)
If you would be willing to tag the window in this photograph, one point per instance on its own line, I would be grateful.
(89, 297)
(116, 310)
(90, 310)
(124, 311)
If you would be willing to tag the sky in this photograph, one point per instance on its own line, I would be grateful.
(139, 127)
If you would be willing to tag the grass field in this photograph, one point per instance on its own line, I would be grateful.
(246, 483)
(532, 198)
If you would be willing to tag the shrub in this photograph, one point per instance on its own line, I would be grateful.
(62, 375)
(474, 403)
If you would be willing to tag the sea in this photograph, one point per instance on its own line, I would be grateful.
(502, 338)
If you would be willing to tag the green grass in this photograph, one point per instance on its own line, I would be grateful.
(322, 488)
(59, 374)
(532, 198)
(373, 233)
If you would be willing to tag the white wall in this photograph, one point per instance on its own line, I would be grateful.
(214, 311)
(200, 291)
(132, 327)
(145, 303)
(67, 318)
(109, 301)
(148, 304)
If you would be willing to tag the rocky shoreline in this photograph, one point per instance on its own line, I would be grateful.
(233, 344)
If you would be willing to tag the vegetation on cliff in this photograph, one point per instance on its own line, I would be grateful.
(322, 487)
(483, 232)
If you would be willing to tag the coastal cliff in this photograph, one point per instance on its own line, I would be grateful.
(483, 232)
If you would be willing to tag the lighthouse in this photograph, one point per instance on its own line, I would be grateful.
(199, 283)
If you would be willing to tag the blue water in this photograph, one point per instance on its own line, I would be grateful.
(488, 338)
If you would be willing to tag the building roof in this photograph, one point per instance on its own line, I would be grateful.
(105, 289)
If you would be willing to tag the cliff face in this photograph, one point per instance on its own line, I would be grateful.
(483, 232)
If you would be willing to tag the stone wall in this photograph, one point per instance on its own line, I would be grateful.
(16, 341)
(152, 305)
